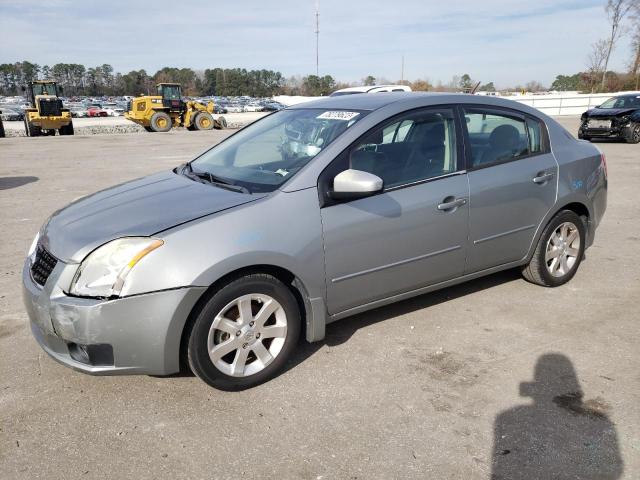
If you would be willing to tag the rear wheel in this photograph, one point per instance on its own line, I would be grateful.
(632, 134)
(161, 122)
(244, 333)
(203, 121)
(559, 251)
(67, 129)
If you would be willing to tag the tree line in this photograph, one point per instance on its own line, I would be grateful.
(77, 80)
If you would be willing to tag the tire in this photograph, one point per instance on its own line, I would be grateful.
(148, 129)
(66, 130)
(558, 249)
(240, 339)
(221, 123)
(2, 134)
(632, 134)
(33, 130)
(203, 121)
(161, 122)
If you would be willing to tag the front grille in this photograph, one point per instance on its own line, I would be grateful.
(50, 107)
(42, 266)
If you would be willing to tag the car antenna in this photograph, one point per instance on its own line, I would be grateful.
(474, 89)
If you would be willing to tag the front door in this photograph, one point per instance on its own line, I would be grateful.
(412, 234)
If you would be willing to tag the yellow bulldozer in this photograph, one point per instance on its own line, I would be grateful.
(167, 109)
(45, 113)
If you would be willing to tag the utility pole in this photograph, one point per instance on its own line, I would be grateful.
(317, 32)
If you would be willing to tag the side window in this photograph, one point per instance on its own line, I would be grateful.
(496, 138)
(534, 130)
(417, 146)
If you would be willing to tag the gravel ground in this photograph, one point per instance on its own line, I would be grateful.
(459, 384)
(120, 125)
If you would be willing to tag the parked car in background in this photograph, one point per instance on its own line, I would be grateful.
(253, 107)
(273, 106)
(78, 112)
(618, 117)
(234, 108)
(11, 115)
(371, 89)
(96, 112)
(310, 215)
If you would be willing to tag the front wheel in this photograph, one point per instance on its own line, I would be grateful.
(559, 251)
(244, 333)
(632, 135)
(203, 121)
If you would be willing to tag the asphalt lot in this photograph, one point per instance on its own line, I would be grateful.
(421, 389)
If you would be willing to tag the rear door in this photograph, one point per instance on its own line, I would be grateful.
(512, 182)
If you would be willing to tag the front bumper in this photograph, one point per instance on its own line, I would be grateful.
(143, 331)
(616, 130)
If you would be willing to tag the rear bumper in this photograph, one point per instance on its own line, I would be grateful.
(143, 331)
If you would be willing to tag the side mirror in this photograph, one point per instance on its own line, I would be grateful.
(352, 184)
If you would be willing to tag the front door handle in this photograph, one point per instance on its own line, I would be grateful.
(543, 177)
(451, 203)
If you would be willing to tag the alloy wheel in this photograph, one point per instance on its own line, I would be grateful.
(563, 248)
(247, 335)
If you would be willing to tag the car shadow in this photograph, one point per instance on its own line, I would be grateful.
(341, 331)
(7, 183)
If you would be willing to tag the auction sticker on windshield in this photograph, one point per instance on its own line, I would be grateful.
(338, 115)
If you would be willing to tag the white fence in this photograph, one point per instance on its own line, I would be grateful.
(555, 104)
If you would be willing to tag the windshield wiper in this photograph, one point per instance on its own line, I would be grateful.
(213, 179)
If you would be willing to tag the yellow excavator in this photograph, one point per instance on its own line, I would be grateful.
(167, 109)
(45, 113)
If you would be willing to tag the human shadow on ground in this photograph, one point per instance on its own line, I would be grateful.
(560, 435)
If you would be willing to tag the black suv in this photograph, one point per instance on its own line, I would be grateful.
(618, 117)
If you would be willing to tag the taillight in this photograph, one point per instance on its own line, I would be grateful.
(603, 163)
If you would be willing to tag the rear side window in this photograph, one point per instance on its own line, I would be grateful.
(534, 129)
(497, 138)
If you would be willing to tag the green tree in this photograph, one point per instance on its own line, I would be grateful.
(369, 80)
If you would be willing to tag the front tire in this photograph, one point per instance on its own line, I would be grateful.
(632, 135)
(244, 333)
(161, 122)
(66, 129)
(559, 251)
(203, 121)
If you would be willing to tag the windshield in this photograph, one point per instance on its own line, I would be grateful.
(169, 92)
(622, 102)
(44, 89)
(262, 156)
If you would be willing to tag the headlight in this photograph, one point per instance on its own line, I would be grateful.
(103, 272)
(34, 245)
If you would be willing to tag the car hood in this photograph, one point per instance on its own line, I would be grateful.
(141, 207)
(609, 112)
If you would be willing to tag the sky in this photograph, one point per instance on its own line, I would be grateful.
(508, 42)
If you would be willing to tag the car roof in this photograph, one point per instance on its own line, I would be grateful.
(371, 101)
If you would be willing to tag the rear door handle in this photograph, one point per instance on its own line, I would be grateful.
(450, 203)
(543, 177)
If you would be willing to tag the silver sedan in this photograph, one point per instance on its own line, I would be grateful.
(309, 215)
